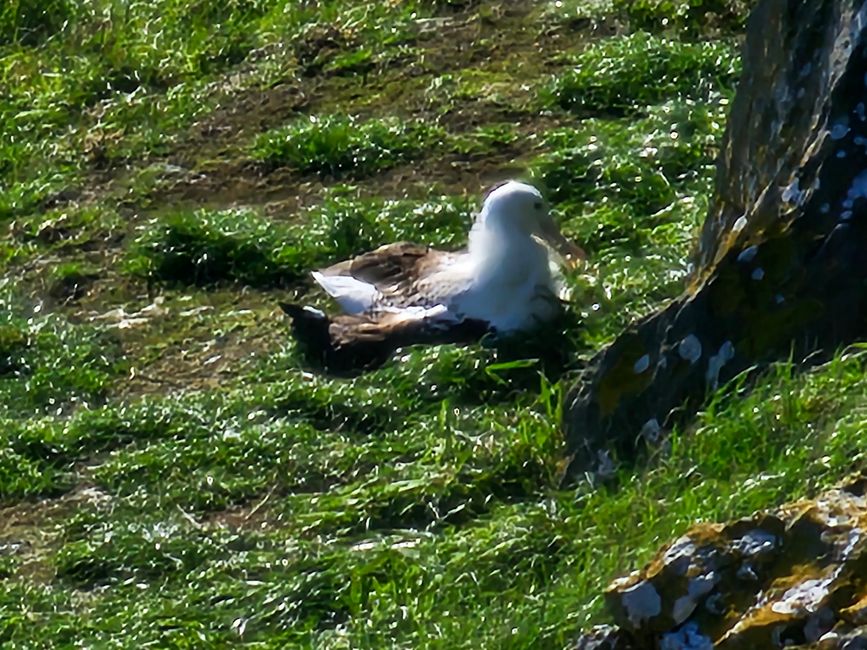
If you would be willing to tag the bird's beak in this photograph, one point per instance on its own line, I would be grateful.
(571, 253)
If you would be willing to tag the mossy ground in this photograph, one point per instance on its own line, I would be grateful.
(170, 472)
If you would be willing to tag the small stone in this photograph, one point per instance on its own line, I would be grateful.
(689, 637)
(605, 637)
(683, 608)
(755, 542)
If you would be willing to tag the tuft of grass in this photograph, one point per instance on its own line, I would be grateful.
(340, 145)
(689, 16)
(208, 247)
(48, 364)
(685, 18)
(626, 73)
(28, 22)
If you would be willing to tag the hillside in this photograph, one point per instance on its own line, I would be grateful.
(172, 473)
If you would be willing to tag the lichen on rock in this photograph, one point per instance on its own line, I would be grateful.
(796, 577)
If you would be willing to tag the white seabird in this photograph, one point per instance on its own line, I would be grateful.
(506, 280)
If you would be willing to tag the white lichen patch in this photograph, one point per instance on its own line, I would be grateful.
(651, 430)
(702, 585)
(689, 348)
(807, 596)
(748, 254)
(755, 542)
(740, 223)
(715, 364)
(858, 190)
(839, 131)
(642, 364)
(682, 609)
(641, 602)
(689, 637)
(679, 555)
(792, 193)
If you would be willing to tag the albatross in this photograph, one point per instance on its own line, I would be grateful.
(505, 281)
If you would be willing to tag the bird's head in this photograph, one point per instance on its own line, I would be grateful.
(518, 208)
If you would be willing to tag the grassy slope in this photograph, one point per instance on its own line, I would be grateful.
(169, 471)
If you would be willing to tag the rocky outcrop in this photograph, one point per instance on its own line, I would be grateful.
(796, 577)
(782, 259)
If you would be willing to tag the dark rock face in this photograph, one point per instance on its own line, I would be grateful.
(782, 259)
(794, 577)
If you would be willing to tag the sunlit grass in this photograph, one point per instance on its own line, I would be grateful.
(338, 145)
(626, 73)
(418, 505)
(208, 247)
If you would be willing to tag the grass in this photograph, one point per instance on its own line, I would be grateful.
(626, 74)
(339, 145)
(208, 247)
(686, 18)
(175, 476)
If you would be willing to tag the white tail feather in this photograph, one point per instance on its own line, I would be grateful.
(354, 296)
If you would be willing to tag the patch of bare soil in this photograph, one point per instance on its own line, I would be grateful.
(30, 530)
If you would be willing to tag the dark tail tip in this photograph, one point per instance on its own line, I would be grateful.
(310, 327)
(313, 331)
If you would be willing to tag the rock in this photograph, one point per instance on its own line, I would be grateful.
(605, 637)
(782, 258)
(794, 577)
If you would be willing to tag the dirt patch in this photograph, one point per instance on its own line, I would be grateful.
(31, 530)
(192, 345)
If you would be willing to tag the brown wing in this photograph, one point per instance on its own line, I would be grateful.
(358, 341)
(394, 269)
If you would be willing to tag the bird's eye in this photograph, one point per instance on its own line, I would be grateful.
(538, 205)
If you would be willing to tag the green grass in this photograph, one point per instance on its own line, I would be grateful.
(338, 145)
(181, 479)
(624, 74)
(208, 247)
(686, 18)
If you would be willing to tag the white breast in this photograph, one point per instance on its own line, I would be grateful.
(512, 289)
